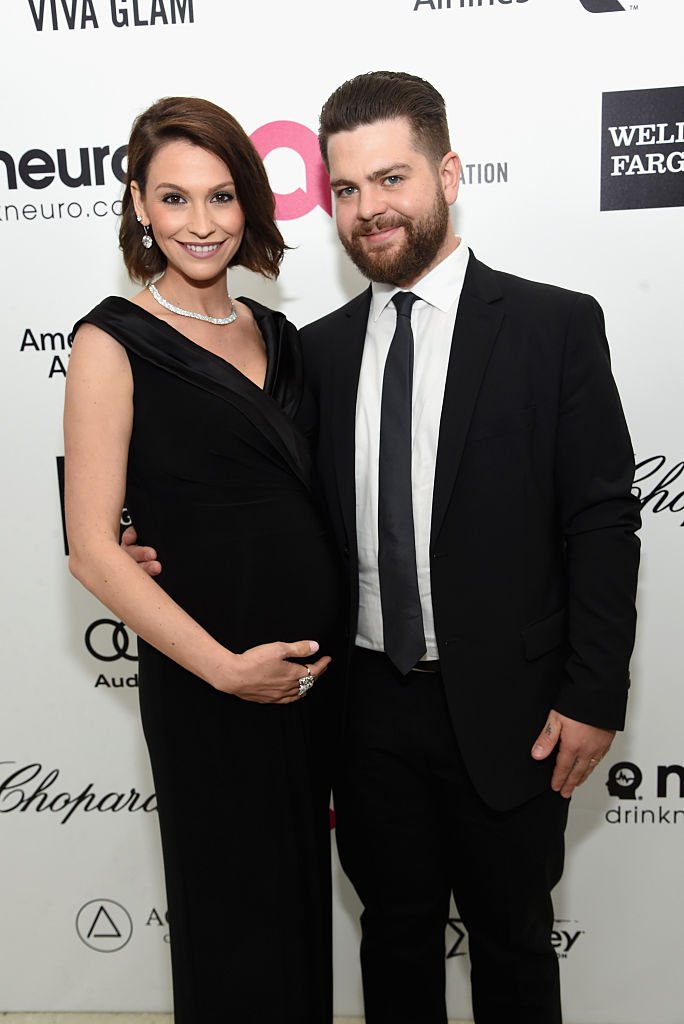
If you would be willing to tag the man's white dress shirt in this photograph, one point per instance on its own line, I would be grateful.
(432, 319)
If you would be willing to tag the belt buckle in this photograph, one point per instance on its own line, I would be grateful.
(426, 667)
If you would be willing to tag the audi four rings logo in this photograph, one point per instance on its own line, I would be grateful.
(108, 640)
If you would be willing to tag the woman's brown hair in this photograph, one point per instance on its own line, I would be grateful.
(210, 127)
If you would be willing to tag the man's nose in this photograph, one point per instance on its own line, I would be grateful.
(372, 203)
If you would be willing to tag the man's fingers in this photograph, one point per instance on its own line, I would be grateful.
(566, 774)
(146, 558)
(151, 567)
(547, 739)
(581, 748)
(141, 554)
(566, 778)
(129, 536)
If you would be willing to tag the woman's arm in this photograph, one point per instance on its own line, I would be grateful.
(98, 419)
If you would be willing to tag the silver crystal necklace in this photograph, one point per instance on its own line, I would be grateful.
(220, 320)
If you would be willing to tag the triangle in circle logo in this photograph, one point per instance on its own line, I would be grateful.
(103, 926)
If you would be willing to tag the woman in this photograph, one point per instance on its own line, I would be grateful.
(188, 406)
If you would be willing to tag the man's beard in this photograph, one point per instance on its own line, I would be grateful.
(423, 240)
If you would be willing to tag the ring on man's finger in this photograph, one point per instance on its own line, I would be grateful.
(594, 760)
(306, 682)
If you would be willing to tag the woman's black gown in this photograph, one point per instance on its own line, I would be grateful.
(219, 483)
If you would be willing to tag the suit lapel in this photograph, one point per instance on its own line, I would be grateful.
(477, 324)
(348, 355)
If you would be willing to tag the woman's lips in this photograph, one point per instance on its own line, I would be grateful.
(201, 251)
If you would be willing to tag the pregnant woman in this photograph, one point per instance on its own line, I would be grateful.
(189, 407)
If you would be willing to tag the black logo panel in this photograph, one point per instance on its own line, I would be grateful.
(642, 149)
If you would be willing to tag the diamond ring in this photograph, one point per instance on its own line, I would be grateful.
(306, 682)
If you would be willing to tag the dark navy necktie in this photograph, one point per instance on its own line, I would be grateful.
(402, 617)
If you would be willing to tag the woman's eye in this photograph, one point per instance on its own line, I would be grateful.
(224, 197)
(173, 199)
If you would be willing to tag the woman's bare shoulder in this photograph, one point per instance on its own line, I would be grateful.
(93, 350)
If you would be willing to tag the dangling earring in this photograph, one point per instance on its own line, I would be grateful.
(146, 239)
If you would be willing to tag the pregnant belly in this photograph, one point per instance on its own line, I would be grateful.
(258, 579)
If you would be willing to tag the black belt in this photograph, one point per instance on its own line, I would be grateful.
(426, 666)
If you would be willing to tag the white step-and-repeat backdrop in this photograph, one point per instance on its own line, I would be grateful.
(569, 117)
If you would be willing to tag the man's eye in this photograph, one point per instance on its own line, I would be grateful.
(393, 179)
(342, 193)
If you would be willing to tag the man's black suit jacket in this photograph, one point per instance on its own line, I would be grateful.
(533, 549)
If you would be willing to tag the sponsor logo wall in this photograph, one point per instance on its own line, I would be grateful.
(602, 6)
(642, 149)
(104, 925)
(93, 14)
(570, 123)
(563, 937)
(662, 793)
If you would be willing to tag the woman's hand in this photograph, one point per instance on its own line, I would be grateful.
(264, 675)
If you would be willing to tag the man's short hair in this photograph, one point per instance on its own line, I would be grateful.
(384, 96)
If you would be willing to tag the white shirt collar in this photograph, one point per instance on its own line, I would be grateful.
(441, 287)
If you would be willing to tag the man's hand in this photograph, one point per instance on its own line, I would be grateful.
(145, 557)
(580, 748)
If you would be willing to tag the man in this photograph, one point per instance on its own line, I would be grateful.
(458, 757)
(477, 471)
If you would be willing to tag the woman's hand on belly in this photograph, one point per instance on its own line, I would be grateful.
(264, 675)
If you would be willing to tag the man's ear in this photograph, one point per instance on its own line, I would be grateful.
(450, 176)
